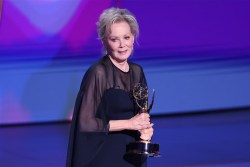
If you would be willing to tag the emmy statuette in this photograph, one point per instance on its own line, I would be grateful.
(143, 147)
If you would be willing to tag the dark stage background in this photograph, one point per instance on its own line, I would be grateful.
(195, 53)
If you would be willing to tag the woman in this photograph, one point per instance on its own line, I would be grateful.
(106, 118)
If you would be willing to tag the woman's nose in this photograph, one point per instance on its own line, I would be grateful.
(122, 44)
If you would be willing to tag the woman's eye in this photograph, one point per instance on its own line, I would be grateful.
(113, 40)
(127, 38)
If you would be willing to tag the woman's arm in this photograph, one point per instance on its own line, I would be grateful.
(138, 122)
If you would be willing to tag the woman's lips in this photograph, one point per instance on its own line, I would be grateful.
(123, 52)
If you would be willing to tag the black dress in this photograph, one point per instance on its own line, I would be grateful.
(105, 94)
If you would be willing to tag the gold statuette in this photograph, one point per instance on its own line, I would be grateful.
(143, 147)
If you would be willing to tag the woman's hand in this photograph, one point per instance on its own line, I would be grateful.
(146, 134)
(139, 122)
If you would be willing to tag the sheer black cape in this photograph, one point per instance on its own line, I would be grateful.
(90, 124)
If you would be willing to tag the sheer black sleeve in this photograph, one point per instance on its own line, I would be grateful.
(92, 89)
(143, 78)
(138, 74)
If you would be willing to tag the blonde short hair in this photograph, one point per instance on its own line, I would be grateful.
(116, 15)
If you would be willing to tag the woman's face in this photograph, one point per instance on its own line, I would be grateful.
(119, 43)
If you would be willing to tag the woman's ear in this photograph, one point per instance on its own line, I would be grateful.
(133, 39)
(104, 43)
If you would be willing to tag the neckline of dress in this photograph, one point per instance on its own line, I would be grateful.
(125, 72)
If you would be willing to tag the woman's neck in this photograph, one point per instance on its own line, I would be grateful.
(121, 65)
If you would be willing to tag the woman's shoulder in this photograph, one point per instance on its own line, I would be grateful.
(135, 66)
(97, 69)
(95, 72)
(99, 66)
